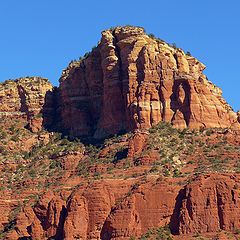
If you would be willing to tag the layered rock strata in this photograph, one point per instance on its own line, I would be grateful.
(26, 98)
(131, 80)
(121, 209)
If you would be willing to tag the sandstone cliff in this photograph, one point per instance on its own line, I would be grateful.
(25, 98)
(131, 80)
(121, 209)
(210, 204)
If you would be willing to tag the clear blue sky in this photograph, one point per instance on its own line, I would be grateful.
(40, 37)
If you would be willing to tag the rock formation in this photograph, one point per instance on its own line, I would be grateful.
(137, 143)
(25, 98)
(210, 204)
(120, 209)
(176, 178)
(131, 80)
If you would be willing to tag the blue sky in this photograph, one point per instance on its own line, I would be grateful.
(41, 37)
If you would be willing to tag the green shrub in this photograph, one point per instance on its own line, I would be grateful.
(55, 164)
(151, 36)
(177, 173)
(237, 231)
(39, 115)
(162, 233)
(154, 169)
(14, 138)
(83, 170)
(166, 172)
(132, 238)
(97, 175)
(3, 134)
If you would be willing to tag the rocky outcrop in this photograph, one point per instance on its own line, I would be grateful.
(121, 209)
(42, 221)
(144, 208)
(81, 216)
(210, 204)
(131, 80)
(26, 98)
(137, 143)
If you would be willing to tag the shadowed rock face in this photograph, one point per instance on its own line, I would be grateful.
(132, 81)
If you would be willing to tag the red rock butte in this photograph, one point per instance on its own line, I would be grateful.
(131, 80)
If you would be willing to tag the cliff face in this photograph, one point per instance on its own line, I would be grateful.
(121, 209)
(210, 204)
(131, 80)
(25, 98)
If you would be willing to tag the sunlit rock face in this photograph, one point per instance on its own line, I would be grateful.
(26, 98)
(131, 80)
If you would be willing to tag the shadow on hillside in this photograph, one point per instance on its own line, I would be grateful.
(51, 114)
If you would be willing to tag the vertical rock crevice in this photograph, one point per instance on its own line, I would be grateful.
(175, 218)
(220, 210)
(140, 76)
(161, 95)
(23, 100)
